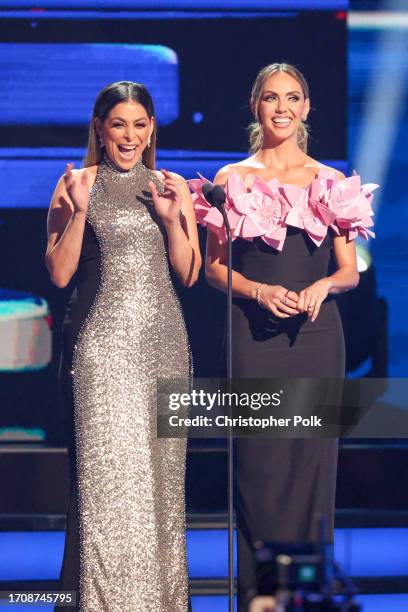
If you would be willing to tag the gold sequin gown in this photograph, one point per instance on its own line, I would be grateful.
(124, 328)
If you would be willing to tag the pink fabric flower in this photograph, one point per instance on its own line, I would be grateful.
(351, 203)
(304, 214)
(265, 209)
(268, 210)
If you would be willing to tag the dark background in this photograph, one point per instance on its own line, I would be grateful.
(218, 60)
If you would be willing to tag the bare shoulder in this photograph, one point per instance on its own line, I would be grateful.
(339, 174)
(91, 169)
(223, 173)
(90, 172)
(242, 168)
(314, 163)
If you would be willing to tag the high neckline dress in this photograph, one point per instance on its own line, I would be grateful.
(124, 329)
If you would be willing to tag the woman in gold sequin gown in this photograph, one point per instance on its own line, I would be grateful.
(117, 227)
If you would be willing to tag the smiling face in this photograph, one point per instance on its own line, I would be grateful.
(282, 107)
(125, 133)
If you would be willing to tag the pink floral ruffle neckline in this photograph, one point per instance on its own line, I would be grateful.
(267, 209)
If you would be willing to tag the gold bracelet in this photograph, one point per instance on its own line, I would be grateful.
(258, 291)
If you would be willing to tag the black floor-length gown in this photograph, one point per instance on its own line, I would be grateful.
(87, 281)
(124, 329)
(283, 485)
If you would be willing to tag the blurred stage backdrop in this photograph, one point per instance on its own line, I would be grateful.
(199, 59)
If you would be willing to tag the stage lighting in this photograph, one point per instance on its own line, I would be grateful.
(364, 259)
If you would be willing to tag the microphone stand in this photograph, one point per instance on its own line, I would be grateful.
(230, 437)
(215, 195)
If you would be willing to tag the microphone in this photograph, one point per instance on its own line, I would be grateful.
(214, 194)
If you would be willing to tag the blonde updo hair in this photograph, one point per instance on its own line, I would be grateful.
(115, 93)
(255, 129)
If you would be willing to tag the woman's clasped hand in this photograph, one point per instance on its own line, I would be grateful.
(284, 303)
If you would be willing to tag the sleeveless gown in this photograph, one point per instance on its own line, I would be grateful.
(125, 542)
(283, 485)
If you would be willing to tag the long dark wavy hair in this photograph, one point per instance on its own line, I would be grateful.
(122, 91)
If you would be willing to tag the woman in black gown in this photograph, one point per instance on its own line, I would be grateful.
(285, 324)
(118, 226)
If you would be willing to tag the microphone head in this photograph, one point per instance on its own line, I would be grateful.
(218, 196)
(207, 191)
(214, 194)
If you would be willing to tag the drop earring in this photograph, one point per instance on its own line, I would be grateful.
(149, 141)
(101, 142)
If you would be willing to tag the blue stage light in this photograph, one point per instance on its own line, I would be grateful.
(198, 117)
(213, 603)
(26, 555)
(179, 4)
(67, 97)
(375, 552)
(208, 553)
(361, 552)
(28, 176)
(384, 603)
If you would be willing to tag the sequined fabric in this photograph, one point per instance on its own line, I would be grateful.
(131, 484)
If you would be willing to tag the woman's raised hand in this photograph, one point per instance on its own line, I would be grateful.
(77, 186)
(280, 301)
(167, 204)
